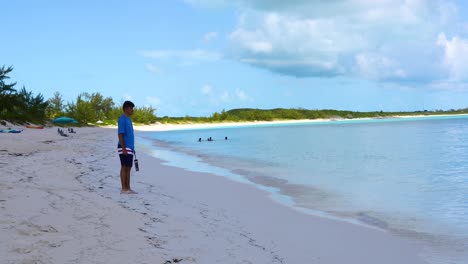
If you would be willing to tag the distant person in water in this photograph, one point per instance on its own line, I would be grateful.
(199, 139)
(225, 138)
(210, 139)
(126, 146)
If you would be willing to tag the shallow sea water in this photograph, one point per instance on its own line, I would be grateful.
(409, 176)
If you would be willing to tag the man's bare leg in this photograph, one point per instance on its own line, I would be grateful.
(124, 178)
(127, 183)
(130, 191)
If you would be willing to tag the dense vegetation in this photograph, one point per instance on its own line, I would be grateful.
(19, 105)
(249, 114)
(91, 108)
(23, 106)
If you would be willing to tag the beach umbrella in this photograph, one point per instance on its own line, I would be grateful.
(64, 120)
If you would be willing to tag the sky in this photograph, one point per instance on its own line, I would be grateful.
(197, 57)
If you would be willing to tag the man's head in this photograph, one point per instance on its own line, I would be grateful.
(128, 108)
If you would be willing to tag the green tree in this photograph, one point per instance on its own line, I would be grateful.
(216, 116)
(144, 115)
(22, 105)
(56, 106)
(82, 109)
(85, 111)
(102, 106)
(32, 107)
(8, 96)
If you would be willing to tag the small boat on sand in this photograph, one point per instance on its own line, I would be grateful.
(35, 127)
(9, 130)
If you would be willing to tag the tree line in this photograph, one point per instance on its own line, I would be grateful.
(23, 106)
(253, 114)
(94, 107)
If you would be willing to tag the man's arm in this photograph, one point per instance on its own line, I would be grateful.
(122, 144)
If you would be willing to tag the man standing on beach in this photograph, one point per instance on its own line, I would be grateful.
(126, 146)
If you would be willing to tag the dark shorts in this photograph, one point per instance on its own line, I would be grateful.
(126, 160)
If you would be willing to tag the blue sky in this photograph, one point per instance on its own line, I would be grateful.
(195, 57)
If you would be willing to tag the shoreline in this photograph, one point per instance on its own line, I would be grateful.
(358, 218)
(191, 126)
(257, 198)
(160, 127)
(289, 194)
(56, 208)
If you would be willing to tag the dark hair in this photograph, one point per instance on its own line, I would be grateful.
(127, 104)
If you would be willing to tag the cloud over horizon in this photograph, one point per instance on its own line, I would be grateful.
(382, 40)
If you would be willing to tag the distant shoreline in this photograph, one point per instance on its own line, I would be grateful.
(189, 126)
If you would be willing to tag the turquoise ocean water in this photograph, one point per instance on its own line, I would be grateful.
(409, 176)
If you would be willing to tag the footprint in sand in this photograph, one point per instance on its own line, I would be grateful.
(32, 247)
(174, 260)
(30, 229)
(49, 229)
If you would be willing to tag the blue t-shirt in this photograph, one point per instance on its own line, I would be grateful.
(125, 128)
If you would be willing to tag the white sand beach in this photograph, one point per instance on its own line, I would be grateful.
(170, 127)
(60, 203)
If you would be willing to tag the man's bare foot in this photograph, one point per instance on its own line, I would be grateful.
(128, 192)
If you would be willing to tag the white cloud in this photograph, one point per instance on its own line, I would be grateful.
(206, 89)
(287, 45)
(153, 100)
(387, 40)
(448, 12)
(210, 36)
(455, 56)
(260, 46)
(295, 46)
(127, 97)
(392, 41)
(225, 96)
(241, 95)
(153, 68)
(449, 85)
(377, 67)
